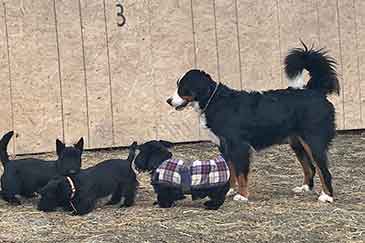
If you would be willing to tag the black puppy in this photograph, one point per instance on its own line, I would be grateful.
(26, 176)
(172, 178)
(80, 192)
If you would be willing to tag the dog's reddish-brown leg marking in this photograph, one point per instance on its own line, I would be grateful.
(321, 178)
(310, 155)
(307, 171)
(233, 177)
(243, 185)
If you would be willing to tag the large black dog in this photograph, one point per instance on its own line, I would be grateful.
(80, 192)
(248, 121)
(24, 177)
(172, 178)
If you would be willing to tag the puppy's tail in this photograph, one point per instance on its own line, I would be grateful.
(132, 152)
(4, 156)
(321, 68)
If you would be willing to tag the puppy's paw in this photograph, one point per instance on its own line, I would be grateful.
(240, 198)
(31, 195)
(111, 202)
(211, 205)
(166, 205)
(67, 208)
(301, 189)
(325, 198)
(15, 201)
(231, 192)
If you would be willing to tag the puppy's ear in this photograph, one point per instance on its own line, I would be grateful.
(134, 145)
(167, 144)
(156, 159)
(60, 146)
(80, 144)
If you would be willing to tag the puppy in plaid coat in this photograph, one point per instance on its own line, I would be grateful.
(172, 178)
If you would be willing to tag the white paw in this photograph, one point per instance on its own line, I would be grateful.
(231, 192)
(325, 198)
(300, 189)
(240, 198)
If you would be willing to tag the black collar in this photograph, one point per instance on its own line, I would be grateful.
(210, 98)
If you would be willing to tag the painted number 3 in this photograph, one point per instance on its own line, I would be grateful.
(120, 13)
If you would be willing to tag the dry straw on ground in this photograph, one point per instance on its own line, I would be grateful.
(275, 214)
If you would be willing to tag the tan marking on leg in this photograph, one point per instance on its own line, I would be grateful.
(309, 153)
(321, 178)
(307, 171)
(233, 177)
(243, 185)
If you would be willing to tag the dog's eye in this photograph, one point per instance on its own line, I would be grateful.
(183, 92)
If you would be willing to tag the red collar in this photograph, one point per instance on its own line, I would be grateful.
(72, 185)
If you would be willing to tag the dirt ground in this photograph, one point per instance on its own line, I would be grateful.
(274, 214)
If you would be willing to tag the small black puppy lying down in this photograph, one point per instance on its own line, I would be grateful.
(24, 177)
(80, 192)
(172, 178)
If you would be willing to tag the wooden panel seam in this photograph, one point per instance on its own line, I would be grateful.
(59, 70)
(10, 78)
(85, 75)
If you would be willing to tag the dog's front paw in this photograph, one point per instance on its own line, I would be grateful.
(301, 189)
(231, 192)
(240, 198)
(325, 198)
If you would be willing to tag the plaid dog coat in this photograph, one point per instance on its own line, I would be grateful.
(195, 175)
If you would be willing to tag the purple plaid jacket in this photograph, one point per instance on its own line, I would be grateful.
(194, 175)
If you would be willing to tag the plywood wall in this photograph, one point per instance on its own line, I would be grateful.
(67, 70)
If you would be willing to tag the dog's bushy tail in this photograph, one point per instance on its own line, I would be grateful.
(132, 152)
(4, 156)
(321, 68)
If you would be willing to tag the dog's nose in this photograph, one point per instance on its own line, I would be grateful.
(169, 101)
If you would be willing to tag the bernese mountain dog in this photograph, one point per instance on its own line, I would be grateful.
(241, 122)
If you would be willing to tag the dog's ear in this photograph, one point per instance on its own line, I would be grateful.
(167, 144)
(60, 146)
(80, 144)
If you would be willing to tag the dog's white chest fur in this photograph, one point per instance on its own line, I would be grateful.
(203, 124)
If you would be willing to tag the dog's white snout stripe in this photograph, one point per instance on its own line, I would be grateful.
(176, 100)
